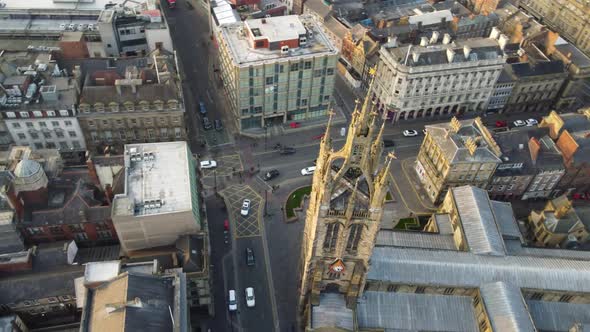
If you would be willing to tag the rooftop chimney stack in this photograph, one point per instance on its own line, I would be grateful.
(466, 51)
(434, 37)
(423, 41)
(495, 33)
(502, 41)
(450, 55)
(446, 39)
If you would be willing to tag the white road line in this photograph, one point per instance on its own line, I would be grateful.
(209, 96)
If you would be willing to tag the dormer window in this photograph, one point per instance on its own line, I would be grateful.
(302, 40)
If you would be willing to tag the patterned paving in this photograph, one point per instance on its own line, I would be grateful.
(243, 226)
(225, 166)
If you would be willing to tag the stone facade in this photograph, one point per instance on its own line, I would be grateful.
(344, 213)
(571, 18)
(455, 154)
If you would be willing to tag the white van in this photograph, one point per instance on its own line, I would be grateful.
(232, 303)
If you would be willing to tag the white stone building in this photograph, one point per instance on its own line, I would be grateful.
(438, 77)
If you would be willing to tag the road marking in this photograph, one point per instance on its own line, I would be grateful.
(271, 287)
(209, 96)
(297, 147)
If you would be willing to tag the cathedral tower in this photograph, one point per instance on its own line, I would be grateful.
(345, 210)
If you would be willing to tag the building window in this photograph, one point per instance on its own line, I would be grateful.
(101, 226)
(104, 234)
(21, 136)
(331, 236)
(150, 133)
(55, 230)
(81, 237)
(50, 145)
(269, 81)
(42, 124)
(30, 125)
(56, 124)
(76, 145)
(16, 125)
(354, 237)
(68, 123)
(75, 228)
(38, 146)
(94, 136)
(34, 135)
(307, 65)
(177, 132)
(59, 134)
(35, 230)
(294, 66)
(72, 134)
(566, 298)
(50, 113)
(47, 134)
(10, 115)
(164, 132)
(537, 296)
(330, 71)
(64, 145)
(24, 114)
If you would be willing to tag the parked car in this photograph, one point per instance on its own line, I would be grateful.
(250, 257)
(232, 303)
(410, 133)
(226, 225)
(72, 26)
(205, 164)
(273, 173)
(90, 27)
(308, 170)
(501, 123)
(218, 125)
(62, 26)
(82, 27)
(531, 122)
(245, 207)
(207, 123)
(250, 301)
(388, 143)
(519, 123)
(287, 150)
(202, 108)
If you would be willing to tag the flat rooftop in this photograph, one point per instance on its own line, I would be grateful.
(277, 28)
(157, 180)
(79, 5)
(243, 55)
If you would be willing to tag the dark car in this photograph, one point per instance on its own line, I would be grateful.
(202, 108)
(206, 123)
(388, 143)
(250, 261)
(287, 150)
(271, 175)
(218, 125)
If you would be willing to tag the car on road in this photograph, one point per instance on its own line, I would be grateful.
(287, 150)
(273, 173)
(226, 225)
(205, 164)
(531, 122)
(519, 123)
(218, 125)
(62, 26)
(202, 108)
(245, 207)
(501, 123)
(207, 123)
(250, 257)
(250, 301)
(231, 300)
(410, 133)
(388, 143)
(308, 170)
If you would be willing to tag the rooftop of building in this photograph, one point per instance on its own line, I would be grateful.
(438, 53)
(516, 155)
(72, 5)
(155, 184)
(135, 301)
(129, 80)
(49, 159)
(243, 55)
(573, 53)
(72, 203)
(568, 220)
(454, 141)
(33, 81)
(549, 156)
(527, 69)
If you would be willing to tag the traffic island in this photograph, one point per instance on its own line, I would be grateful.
(295, 203)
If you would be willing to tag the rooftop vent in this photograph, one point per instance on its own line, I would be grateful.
(424, 41)
(285, 49)
(446, 39)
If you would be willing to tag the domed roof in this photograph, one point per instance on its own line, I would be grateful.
(27, 168)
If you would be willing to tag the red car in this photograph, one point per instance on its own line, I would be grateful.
(226, 225)
(501, 123)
